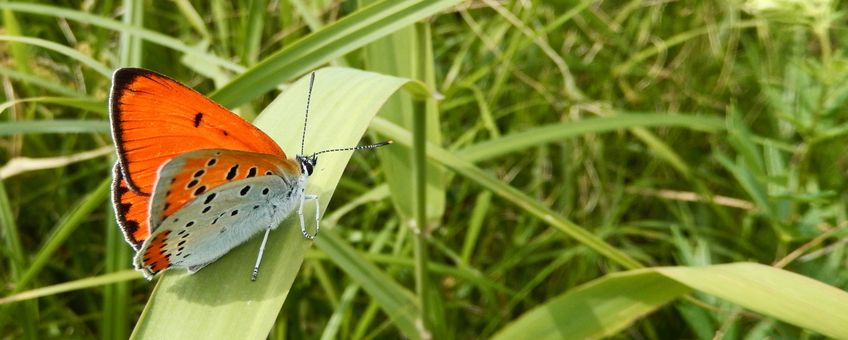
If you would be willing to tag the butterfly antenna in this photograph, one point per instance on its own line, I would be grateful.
(306, 117)
(358, 147)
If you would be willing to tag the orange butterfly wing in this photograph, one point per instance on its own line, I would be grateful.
(155, 118)
(131, 210)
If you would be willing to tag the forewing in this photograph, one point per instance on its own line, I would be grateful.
(155, 118)
(215, 222)
(190, 175)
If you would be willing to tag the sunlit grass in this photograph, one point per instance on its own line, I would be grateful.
(568, 141)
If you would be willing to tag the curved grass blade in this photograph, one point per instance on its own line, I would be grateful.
(39, 82)
(89, 282)
(204, 304)
(607, 305)
(87, 104)
(70, 52)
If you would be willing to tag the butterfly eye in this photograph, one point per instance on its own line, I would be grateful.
(306, 167)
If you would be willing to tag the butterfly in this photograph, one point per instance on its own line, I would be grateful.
(193, 180)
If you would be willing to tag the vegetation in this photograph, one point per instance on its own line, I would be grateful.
(639, 169)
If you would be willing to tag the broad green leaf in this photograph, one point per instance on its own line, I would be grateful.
(607, 305)
(204, 304)
(401, 54)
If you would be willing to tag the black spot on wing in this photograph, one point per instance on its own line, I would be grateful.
(235, 212)
(199, 190)
(199, 173)
(266, 191)
(209, 198)
(197, 119)
(244, 190)
(192, 183)
(251, 172)
(233, 172)
(212, 161)
(206, 210)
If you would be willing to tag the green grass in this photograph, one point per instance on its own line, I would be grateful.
(563, 169)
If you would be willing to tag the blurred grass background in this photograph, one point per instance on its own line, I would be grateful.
(757, 172)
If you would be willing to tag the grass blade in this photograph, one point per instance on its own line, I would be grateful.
(86, 283)
(54, 126)
(520, 199)
(398, 303)
(519, 141)
(334, 40)
(70, 52)
(147, 35)
(607, 305)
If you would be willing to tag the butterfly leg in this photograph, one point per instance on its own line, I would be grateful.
(303, 200)
(259, 256)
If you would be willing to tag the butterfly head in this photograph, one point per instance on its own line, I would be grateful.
(307, 163)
